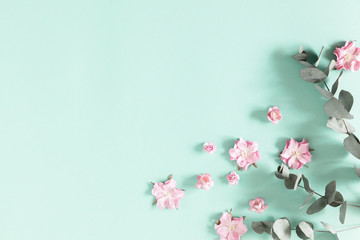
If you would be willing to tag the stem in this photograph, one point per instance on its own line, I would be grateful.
(347, 130)
(348, 204)
(326, 86)
(342, 230)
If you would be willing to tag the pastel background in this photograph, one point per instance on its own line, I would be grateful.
(99, 98)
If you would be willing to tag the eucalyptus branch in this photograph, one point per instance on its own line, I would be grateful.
(331, 197)
(281, 229)
(338, 109)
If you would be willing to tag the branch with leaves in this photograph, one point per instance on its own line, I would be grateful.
(338, 109)
(331, 197)
(280, 229)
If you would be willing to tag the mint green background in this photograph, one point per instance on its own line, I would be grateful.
(99, 98)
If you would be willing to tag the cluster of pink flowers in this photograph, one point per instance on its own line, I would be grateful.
(167, 195)
(296, 154)
(348, 57)
(229, 227)
(245, 153)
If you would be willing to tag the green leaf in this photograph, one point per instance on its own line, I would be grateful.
(339, 199)
(329, 227)
(318, 61)
(307, 184)
(335, 86)
(282, 171)
(331, 66)
(305, 63)
(281, 229)
(317, 206)
(313, 75)
(343, 212)
(290, 182)
(309, 197)
(352, 145)
(334, 108)
(323, 92)
(346, 99)
(305, 230)
(263, 226)
(357, 170)
(330, 191)
(297, 181)
(300, 57)
(338, 125)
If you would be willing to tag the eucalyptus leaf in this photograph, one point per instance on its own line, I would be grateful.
(300, 57)
(290, 182)
(305, 230)
(343, 212)
(329, 227)
(317, 206)
(352, 145)
(297, 181)
(331, 66)
(307, 184)
(335, 86)
(330, 191)
(357, 170)
(262, 226)
(334, 108)
(313, 75)
(301, 49)
(323, 92)
(305, 63)
(281, 229)
(284, 170)
(338, 200)
(309, 197)
(318, 61)
(346, 99)
(340, 125)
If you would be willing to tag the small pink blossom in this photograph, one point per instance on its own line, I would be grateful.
(167, 195)
(233, 178)
(245, 153)
(204, 181)
(348, 57)
(230, 228)
(274, 115)
(257, 205)
(209, 147)
(296, 154)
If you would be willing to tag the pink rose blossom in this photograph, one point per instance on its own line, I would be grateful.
(209, 147)
(296, 154)
(348, 57)
(257, 205)
(245, 153)
(204, 181)
(167, 195)
(274, 115)
(233, 178)
(230, 228)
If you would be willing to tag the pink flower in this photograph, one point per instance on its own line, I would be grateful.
(209, 147)
(233, 178)
(296, 154)
(257, 205)
(274, 115)
(167, 195)
(204, 181)
(230, 228)
(245, 153)
(348, 57)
